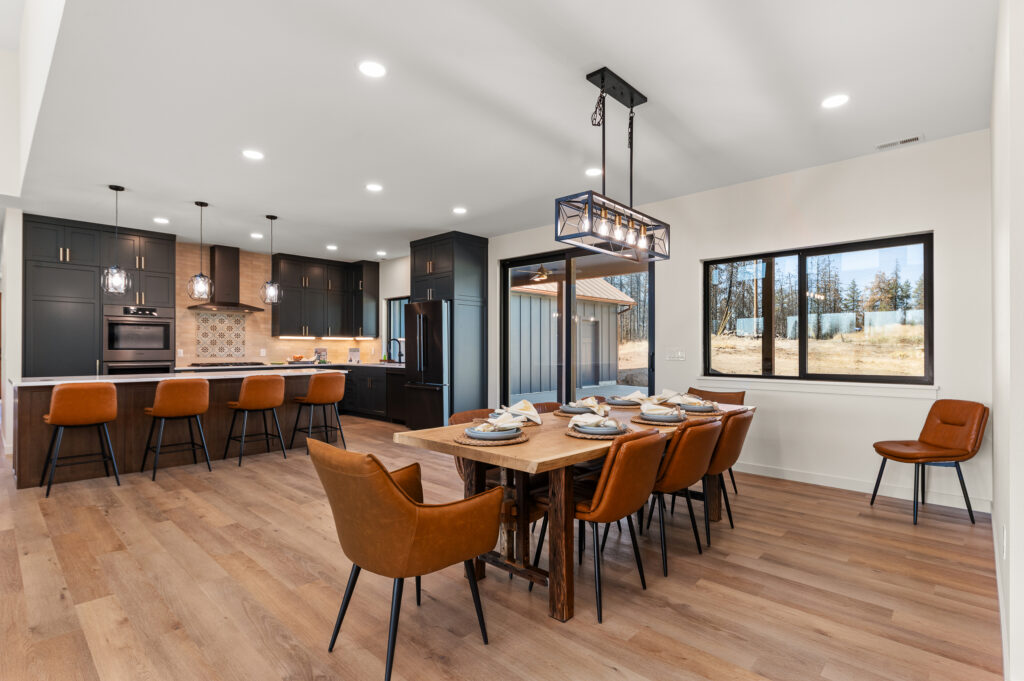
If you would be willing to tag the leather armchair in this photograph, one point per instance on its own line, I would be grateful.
(384, 526)
(952, 433)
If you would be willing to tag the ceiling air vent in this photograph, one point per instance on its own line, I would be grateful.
(899, 143)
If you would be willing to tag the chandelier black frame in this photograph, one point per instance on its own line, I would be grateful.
(601, 224)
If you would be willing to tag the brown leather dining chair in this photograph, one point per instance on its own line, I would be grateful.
(686, 460)
(626, 481)
(735, 425)
(736, 397)
(952, 434)
(469, 416)
(384, 527)
(546, 407)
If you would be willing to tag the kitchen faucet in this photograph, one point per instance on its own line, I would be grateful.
(395, 340)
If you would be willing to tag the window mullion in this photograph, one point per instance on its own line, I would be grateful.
(802, 314)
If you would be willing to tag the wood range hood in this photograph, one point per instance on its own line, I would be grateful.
(224, 272)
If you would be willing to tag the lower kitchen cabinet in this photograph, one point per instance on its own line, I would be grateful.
(366, 391)
(396, 394)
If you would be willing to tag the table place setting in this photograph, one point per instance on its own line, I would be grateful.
(523, 409)
(504, 429)
(634, 399)
(588, 405)
(653, 414)
(688, 402)
(595, 427)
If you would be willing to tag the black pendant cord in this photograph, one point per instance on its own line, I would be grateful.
(629, 142)
(202, 205)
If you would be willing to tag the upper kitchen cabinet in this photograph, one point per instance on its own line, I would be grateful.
(149, 260)
(54, 240)
(328, 298)
(449, 266)
(335, 278)
(156, 254)
(366, 299)
(297, 272)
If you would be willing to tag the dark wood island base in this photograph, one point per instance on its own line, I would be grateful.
(129, 432)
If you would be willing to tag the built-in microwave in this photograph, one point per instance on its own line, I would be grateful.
(138, 334)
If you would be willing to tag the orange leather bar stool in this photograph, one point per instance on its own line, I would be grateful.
(384, 526)
(735, 426)
(326, 389)
(80, 405)
(952, 433)
(724, 398)
(176, 399)
(262, 394)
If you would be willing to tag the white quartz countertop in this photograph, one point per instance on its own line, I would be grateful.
(150, 378)
(265, 367)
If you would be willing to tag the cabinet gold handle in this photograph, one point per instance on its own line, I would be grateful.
(143, 297)
(136, 262)
(67, 255)
(143, 262)
(360, 284)
(60, 255)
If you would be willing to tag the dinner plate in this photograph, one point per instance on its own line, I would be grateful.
(666, 418)
(566, 409)
(697, 407)
(621, 403)
(601, 430)
(493, 434)
(495, 414)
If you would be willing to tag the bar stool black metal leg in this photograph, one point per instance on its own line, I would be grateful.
(917, 477)
(103, 450)
(266, 430)
(707, 516)
(202, 438)
(963, 488)
(280, 435)
(693, 521)
(149, 445)
(341, 432)
(49, 455)
(471, 576)
(53, 460)
(192, 439)
(352, 577)
(309, 432)
(241, 440)
(725, 496)
(110, 451)
(159, 442)
(327, 431)
(231, 432)
(295, 428)
(396, 606)
(878, 481)
(661, 524)
(597, 570)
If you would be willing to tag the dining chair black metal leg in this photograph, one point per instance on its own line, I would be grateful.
(202, 439)
(352, 577)
(49, 455)
(661, 523)
(280, 435)
(582, 531)
(650, 515)
(878, 481)
(640, 520)
(673, 503)
(241, 440)
(540, 545)
(733, 478)
(149, 443)
(396, 607)
(604, 535)
(597, 570)
(924, 467)
(192, 440)
(110, 451)
(53, 460)
(103, 451)
(707, 516)
(917, 476)
(471, 576)
(341, 431)
(636, 552)
(231, 432)
(963, 488)
(295, 428)
(725, 496)
(693, 521)
(159, 443)
(417, 591)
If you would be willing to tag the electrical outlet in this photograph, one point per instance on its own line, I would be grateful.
(675, 355)
(181, 353)
(263, 352)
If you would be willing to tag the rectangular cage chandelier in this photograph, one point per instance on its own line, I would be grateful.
(598, 223)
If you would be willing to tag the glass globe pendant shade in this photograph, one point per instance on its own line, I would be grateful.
(116, 281)
(200, 287)
(270, 293)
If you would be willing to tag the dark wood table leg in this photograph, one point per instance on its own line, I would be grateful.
(475, 483)
(560, 545)
(714, 492)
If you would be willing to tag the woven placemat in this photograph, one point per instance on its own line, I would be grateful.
(467, 440)
(526, 424)
(641, 420)
(572, 432)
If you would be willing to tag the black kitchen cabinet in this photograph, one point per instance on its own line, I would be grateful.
(287, 315)
(156, 289)
(62, 319)
(449, 266)
(366, 391)
(57, 241)
(366, 299)
(334, 298)
(314, 312)
(432, 256)
(156, 255)
(396, 394)
(334, 275)
(290, 273)
(150, 263)
(336, 306)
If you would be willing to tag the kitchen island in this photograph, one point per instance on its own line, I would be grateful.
(129, 432)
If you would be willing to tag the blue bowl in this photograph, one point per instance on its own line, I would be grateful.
(493, 434)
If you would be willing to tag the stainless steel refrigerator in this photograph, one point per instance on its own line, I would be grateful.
(428, 363)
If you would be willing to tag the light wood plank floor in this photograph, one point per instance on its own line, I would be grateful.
(237, 575)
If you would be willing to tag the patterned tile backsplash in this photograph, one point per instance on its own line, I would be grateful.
(220, 334)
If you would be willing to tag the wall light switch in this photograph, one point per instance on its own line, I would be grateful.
(263, 352)
(181, 353)
(675, 355)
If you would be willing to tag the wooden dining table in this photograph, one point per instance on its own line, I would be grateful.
(548, 450)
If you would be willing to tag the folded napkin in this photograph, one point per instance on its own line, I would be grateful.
(588, 402)
(593, 420)
(635, 396)
(657, 409)
(504, 421)
(525, 409)
(665, 395)
(688, 399)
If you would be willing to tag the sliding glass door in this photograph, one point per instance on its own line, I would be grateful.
(575, 323)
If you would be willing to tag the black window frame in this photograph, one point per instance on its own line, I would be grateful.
(926, 239)
(388, 302)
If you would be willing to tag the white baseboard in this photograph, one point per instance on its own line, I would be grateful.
(896, 491)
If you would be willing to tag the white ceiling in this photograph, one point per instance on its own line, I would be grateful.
(485, 105)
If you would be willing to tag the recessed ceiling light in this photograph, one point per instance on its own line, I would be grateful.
(459, 210)
(161, 221)
(332, 247)
(381, 254)
(372, 69)
(253, 154)
(593, 172)
(256, 235)
(374, 187)
(834, 101)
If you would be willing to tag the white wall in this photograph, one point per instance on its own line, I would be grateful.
(10, 142)
(394, 283)
(1008, 329)
(812, 431)
(10, 317)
